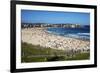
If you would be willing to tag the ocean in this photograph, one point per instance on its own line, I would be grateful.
(79, 33)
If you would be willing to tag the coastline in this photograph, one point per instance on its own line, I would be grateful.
(39, 36)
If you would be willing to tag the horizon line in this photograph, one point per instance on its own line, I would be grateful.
(53, 23)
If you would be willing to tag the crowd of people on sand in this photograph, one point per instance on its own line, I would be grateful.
(39, 36)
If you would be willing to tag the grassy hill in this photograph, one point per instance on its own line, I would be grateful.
(36, 53)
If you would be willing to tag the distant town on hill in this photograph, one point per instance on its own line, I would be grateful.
(67, 25)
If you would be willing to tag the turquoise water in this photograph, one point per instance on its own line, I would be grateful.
(82, 33)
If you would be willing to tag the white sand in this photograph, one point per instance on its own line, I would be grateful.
(39, 36)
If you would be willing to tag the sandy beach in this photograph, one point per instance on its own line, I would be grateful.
(39, 36)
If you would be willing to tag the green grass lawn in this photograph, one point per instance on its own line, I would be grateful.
(33, 53)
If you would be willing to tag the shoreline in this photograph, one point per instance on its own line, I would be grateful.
(68, 36)
(39, 36)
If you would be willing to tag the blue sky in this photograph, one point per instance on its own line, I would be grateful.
(53, 17)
